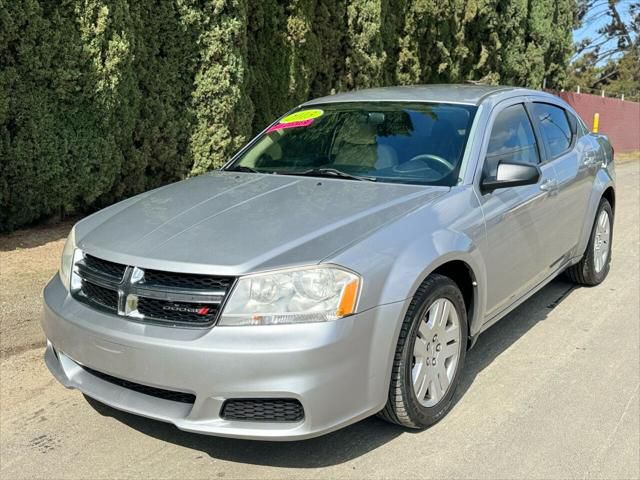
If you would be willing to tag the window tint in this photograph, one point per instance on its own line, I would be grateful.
(512, 140)
(401, 142)
(573, 123)
(556, 132)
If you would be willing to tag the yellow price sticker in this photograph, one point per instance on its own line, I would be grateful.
(302, 116)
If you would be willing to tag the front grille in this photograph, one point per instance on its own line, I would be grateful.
(178, 312)
(153, 296)
(104, 267)
(186, 281)
(263, 410)
(100, 296)
(172, 395)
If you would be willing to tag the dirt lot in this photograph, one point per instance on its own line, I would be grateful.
(552, 391)
(28, 258)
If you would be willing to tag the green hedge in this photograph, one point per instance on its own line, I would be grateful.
(102, 99)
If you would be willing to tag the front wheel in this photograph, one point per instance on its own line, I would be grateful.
(429, 356)
(594, 266)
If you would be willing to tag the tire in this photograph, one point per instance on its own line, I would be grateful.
(403, 406)
(592, 269)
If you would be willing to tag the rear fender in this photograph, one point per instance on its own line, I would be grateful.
(603, 180)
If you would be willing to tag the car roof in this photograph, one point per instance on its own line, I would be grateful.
(451, 93)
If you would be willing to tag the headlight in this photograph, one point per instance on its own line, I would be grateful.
(66, 265)
(314, 294)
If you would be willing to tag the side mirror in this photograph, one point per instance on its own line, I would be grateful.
(511, 175)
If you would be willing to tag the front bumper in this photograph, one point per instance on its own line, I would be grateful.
(339, 370)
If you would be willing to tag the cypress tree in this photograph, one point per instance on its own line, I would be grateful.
(560, 46)
(304, 48)
(537, 36)
(510, 58)
(102, 99)
(415, 43)
(269, 60)
(365, 50)
(108, 41)
(59, 145)
(330, 25)
(223, 111)
(164, 64)
(481, 42)
(393, 18)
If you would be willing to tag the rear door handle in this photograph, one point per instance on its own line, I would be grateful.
(549, 185)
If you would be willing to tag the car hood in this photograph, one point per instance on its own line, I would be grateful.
(234, 223)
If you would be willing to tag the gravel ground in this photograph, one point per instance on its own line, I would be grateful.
(28, 259)
(551, 391)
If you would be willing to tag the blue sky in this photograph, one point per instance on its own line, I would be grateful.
(589, 29)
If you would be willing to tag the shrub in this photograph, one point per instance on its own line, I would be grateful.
(102, 99)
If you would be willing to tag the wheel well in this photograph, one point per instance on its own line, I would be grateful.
(610, 195)
(462, 275)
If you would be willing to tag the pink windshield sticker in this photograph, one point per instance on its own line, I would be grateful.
(282, 126)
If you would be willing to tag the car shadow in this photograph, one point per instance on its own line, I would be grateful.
(32, 237)
(365, 436)
(507, 331)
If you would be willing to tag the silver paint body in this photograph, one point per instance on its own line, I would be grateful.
(225, 223)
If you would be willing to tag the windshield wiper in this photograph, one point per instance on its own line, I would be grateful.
(327, 172)
(242, 168)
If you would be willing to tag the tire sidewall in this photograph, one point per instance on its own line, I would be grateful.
(424, 416)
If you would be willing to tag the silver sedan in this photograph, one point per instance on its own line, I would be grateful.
(339, 266)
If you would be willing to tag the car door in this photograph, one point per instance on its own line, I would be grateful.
(518, 220)
(575, 160)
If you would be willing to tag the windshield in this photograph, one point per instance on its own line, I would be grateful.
(389, 142)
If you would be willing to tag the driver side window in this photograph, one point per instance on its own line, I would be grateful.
(512, 140)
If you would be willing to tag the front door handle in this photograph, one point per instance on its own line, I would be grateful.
(549, 185)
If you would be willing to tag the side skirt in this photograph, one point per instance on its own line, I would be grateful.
(491, 321)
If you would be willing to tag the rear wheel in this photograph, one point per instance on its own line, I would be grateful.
(429, 356)
(594, 266)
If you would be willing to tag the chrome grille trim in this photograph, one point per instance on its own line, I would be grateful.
(131, 287)
(96, 277)
(112, 270)
(177, 295)
(180, 282)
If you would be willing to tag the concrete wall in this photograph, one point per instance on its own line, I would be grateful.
(619, 119)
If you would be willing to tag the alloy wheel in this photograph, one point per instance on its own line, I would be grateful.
(602, 241)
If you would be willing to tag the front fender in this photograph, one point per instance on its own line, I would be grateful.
(395, 260)
(422, 258)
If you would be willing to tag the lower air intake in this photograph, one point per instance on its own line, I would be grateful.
(263, 410)
(151, 391)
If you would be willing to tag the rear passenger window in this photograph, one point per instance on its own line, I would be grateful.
(556, 132)
(512, 140)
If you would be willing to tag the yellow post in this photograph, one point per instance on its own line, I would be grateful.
(596, 122)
